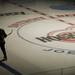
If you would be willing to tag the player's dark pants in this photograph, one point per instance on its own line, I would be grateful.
(2, 46)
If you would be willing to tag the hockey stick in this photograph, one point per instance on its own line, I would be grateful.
(10, 32)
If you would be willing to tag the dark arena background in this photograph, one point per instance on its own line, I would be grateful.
(42, 37)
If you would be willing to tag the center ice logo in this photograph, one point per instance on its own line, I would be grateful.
(47, 35)
(64, 36)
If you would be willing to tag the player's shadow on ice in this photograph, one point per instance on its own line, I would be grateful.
(9, 68)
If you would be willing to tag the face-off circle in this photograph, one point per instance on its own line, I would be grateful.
(36, 33)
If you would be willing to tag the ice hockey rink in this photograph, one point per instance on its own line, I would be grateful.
(42, 39)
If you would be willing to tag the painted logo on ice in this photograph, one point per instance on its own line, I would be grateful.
(64, 36)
